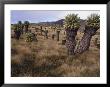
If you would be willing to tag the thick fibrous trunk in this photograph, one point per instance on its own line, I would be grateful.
(58, 32)
(64, 32)
(70, 40)
(53, 36)
(20, 27)
(26, 29)
(46, 34)
(63, 42)
(41, 30)
(17, 34)
(22, 30)
(85, 41)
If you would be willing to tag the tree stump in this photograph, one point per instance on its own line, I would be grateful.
(63, 42)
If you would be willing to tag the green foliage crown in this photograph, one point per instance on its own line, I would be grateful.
(93, 21)
(72, 21)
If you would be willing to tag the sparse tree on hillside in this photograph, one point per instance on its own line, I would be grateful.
(41, 30)
(20, 26)
(17, 32)
(26, 25)
(71, 25)
(93, 24)
(57, 34)
(46, 33)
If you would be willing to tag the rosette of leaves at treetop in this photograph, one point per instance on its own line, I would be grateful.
(72, 21)
(93, 21)
(30, 37)
(26, 23)
(20, 25)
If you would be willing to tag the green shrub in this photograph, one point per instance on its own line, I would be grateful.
(30, 37)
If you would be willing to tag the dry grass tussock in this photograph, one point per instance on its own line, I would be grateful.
(48, 58)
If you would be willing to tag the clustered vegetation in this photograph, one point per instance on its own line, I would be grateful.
(72, 25)
(93, 24)
(46, 57)
(30, 37)
(72, 21)
(93, 21)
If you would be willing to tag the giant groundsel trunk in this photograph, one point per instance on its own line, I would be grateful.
(26, 25)
(71, 24)
(70, 40)
(86, 39)
(57, 34)
(93, 24)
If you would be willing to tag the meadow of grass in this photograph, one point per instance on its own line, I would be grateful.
(48, 58)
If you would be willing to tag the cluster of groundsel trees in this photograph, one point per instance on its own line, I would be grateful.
(18, 30)
(72, 24)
